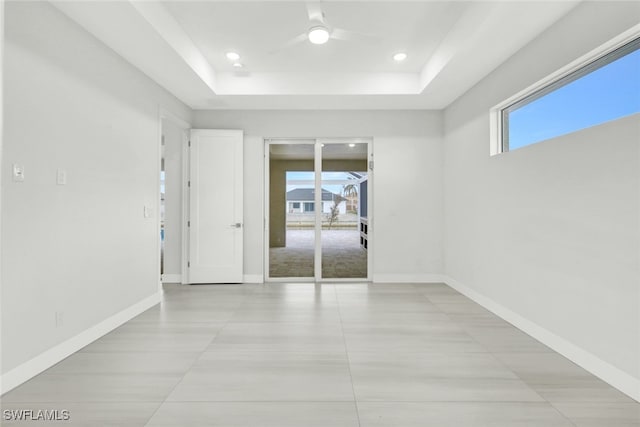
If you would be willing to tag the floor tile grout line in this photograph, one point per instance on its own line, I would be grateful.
(504, 365)
(562, 414)
(346, 350)
(530, 386)
(460, 402)
(192, 364)
(501, 363)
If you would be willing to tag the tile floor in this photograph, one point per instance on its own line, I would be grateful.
(281, 355)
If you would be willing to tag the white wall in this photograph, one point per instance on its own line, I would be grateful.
(408, 163)
(173, 140)
(83, 249)
(550, 232)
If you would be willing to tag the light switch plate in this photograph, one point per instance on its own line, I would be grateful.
(148, 212)
(61, 177)
(18, 173)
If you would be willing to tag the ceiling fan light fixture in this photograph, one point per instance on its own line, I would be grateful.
(232, 56)
(400, 56)
(318, 35)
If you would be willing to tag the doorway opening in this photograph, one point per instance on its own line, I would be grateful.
(318, 208)
(162, 203)
(173, 138)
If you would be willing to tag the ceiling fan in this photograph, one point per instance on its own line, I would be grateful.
(320, 31)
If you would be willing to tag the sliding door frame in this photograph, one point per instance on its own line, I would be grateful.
(318, 143)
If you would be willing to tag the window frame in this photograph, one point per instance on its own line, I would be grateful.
(616, 48)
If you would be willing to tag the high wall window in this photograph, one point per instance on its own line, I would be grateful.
(605, 89)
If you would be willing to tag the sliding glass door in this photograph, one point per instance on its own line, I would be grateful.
(292, 217)
(344, 172)
(317, 209)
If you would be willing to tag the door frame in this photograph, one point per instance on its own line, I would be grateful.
(186, 200)
(166, 115)
(317, 142)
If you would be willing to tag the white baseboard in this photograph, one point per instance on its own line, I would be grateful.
(172, 278)
(253, 278)
(33, 367)
(617, 378)
(408, 278)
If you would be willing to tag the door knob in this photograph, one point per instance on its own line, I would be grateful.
(236, 225)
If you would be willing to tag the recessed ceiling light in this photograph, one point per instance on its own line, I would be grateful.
(318, 35)
(352, 145)
(232, 56)
(400, 56)
(237, 65)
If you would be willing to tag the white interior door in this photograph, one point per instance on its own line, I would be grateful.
(215, 214)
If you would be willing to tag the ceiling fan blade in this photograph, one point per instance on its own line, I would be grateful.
(294, 41)
(315, 12)
(340, 34)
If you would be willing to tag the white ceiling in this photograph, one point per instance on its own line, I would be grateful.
(451, 45)
(256, 29)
